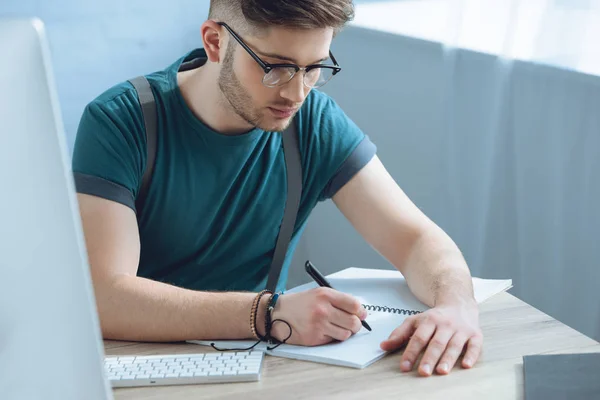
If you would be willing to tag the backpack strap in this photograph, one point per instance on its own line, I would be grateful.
(293, 164)
(146, 98)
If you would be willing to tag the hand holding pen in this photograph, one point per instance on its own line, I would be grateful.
(322, 281)
(318, 316)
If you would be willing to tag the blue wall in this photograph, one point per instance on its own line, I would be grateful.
(97, 44)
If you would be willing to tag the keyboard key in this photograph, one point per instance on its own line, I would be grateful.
(186, 363)
(249, 373)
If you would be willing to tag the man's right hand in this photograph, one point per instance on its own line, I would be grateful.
(317, 316)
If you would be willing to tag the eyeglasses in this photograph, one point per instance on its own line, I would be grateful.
(315, 75)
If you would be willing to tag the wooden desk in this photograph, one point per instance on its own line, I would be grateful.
(511, 329)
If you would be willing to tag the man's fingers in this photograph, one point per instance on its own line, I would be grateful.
(399, 336)
(337, 333)
(345, 320)
(473, 351)
(343, 301)
(434, 351)
(415, 346)
(453, 351)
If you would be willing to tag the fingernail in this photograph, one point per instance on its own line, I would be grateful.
(444, 367)
(468, 363)
(405, 365)
(364, 314)
(427, 369)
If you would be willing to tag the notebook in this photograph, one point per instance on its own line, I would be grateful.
(562, 376)
(388, 300)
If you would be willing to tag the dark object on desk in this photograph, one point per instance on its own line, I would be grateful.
(562, 376)
(321, 281)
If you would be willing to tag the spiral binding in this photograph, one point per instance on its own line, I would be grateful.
(392, 310)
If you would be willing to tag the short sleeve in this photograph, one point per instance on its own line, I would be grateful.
(333, 147)
(107, 156)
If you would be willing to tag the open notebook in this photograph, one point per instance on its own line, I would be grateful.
(386, 296)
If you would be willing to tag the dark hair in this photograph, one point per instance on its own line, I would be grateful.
(307, 14)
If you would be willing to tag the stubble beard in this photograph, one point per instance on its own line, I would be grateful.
(240, 100)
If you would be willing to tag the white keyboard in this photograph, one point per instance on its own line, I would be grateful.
(184, 369)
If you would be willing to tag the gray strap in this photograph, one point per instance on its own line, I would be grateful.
(293, 163)
(146, 98)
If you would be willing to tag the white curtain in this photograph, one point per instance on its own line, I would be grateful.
(533, 200)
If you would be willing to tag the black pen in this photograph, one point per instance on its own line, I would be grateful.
(321, 281)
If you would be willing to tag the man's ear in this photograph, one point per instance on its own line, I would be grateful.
(214, 40)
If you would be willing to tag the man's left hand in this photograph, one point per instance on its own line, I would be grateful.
(442, 333)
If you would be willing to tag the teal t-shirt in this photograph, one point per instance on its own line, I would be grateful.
(215, 203)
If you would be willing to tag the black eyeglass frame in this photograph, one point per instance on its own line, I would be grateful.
(267, 67)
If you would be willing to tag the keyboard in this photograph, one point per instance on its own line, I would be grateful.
(184, 369)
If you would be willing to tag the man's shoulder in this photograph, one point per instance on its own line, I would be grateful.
(321, 115)
(318, 113)
(333, 147)
(115, 116)
(117, 111)
(122, 96)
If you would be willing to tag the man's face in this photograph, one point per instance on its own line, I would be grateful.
(240, 79)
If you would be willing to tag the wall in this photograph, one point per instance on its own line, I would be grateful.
(95, 44)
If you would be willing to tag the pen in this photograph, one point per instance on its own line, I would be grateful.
(321, 281)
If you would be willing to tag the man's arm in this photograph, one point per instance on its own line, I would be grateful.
(390, 222)
(432, 264)
(138, 309)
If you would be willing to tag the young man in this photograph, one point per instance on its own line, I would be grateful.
(190, 265)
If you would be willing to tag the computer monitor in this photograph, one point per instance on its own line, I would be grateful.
(50, 340)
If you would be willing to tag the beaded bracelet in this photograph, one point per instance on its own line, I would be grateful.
(268, 324)
(254, 313)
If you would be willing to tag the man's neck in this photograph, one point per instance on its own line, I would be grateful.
(200, 90)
